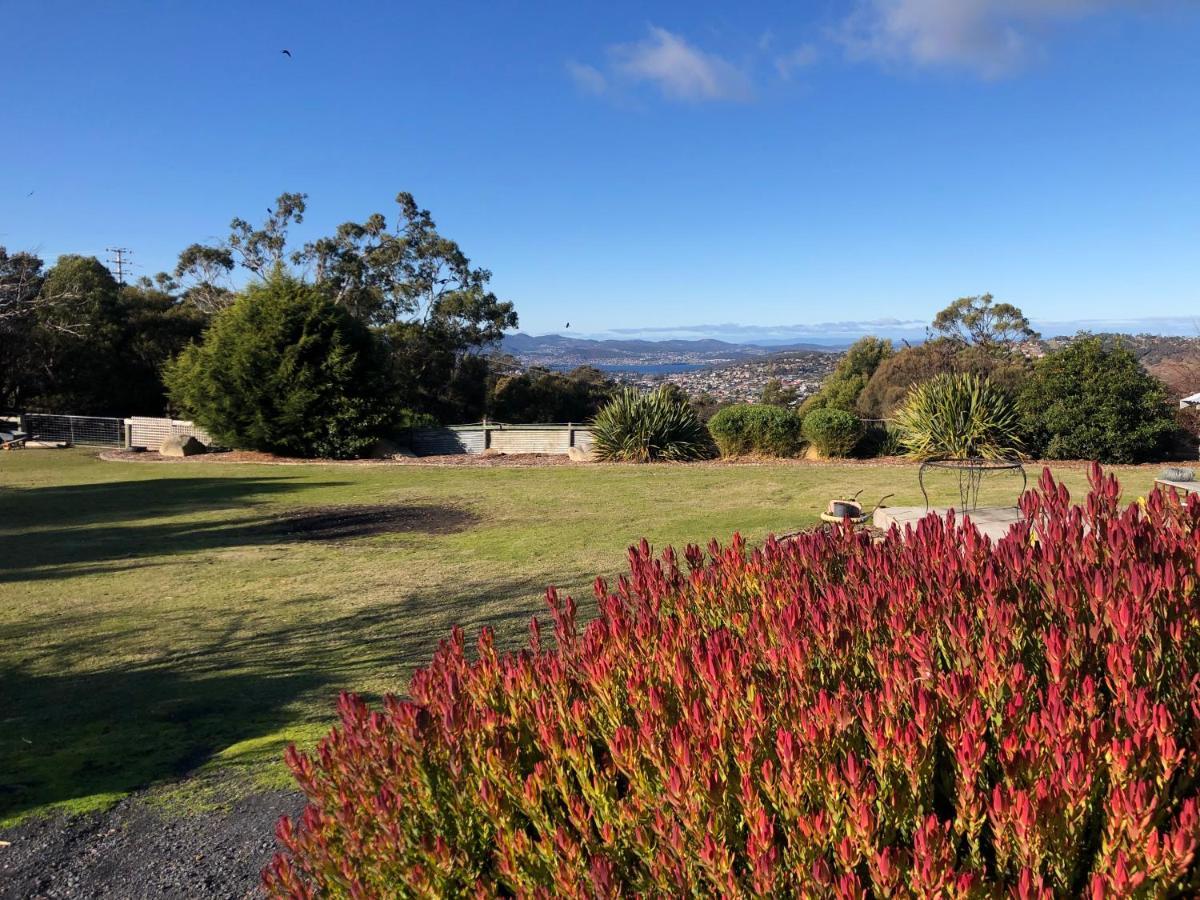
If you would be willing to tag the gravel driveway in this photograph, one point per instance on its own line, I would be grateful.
(136, 850)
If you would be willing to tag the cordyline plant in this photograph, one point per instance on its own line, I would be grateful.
(660, 425)
(932, 714)
(958, 416)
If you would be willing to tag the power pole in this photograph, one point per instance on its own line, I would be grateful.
(119, 261)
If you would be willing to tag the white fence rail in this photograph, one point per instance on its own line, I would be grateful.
(101, 431)
(147, 432)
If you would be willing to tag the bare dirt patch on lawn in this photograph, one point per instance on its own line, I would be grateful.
(340, 523)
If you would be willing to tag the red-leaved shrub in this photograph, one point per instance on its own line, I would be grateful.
(930, 715)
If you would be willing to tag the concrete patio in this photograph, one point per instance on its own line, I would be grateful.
(992, 521)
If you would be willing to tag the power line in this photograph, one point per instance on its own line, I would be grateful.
(119, 261)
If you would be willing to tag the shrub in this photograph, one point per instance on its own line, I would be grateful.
(756, 428)
(285, 370)
(834, 432)
(879, 439)
(1087, 401)
(841, 389)
(934, 715)
(897, 375)
(958, 417)
(637, 427)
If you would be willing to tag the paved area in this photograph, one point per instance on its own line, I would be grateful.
(1183, 487)
(992, 521)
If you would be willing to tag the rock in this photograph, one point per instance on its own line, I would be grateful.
(181, 445)
(581, 454)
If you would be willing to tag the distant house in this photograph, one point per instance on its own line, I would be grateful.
(1192, 402)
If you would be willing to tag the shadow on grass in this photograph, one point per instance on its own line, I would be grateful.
(79, 735)
(90, 527)
(103, 503)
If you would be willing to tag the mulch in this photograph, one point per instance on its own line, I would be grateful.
(537, 460)
(476, 460)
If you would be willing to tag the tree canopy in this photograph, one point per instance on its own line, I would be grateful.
(983, 322)
(1087, 401)
(285, 370)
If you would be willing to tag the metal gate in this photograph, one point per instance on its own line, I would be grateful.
(92, 430)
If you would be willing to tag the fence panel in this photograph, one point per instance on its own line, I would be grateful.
(149, 432)
(446, 441)
(499, 437)
(95, 431)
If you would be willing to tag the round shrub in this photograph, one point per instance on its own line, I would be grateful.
(831, 716)
(1089, 401)
(285, 370)
(756, 428)
(958, 417)
(834, 432)
(660, 425)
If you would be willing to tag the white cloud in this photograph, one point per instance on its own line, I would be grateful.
(588, 78)
(678, 69)
(991, 37)
(802, 57)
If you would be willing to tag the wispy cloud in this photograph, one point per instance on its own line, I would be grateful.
(671, 65)
(588, 78)
(818, 331)
(898, 329)
(990, 37)
(801, 58)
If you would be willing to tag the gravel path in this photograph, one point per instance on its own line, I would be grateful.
(135, 850)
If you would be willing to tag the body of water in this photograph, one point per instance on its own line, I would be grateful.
(644, 369)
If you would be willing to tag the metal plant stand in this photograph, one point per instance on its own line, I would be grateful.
(970, 477)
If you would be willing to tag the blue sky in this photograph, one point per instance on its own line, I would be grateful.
(671, 168)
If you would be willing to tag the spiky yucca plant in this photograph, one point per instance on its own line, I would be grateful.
(958, 416)
(637, 427)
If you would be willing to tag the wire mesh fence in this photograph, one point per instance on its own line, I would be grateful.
(95, 431)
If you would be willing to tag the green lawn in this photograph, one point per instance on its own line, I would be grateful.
(155, 622)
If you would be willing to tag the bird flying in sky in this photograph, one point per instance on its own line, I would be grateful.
(287, 53)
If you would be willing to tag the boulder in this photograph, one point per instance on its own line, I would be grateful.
(181, 445)
(581, 454)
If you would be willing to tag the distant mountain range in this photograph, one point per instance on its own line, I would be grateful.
(558, 351)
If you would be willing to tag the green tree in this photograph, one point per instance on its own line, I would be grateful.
(78, 329)
(433, 309)
(285, 370)
(263, 250)
(888, 387)
(21, 278)
(539, 395)
(203, 274)
(1086, 401)
(842, 388)
(775, 394)
(156, 327)
(983, 322)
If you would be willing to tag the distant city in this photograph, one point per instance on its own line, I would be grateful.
(727, 372)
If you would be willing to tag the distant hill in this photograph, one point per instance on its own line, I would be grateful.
(560, 351)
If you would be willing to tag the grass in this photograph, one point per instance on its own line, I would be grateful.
(156, 623)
